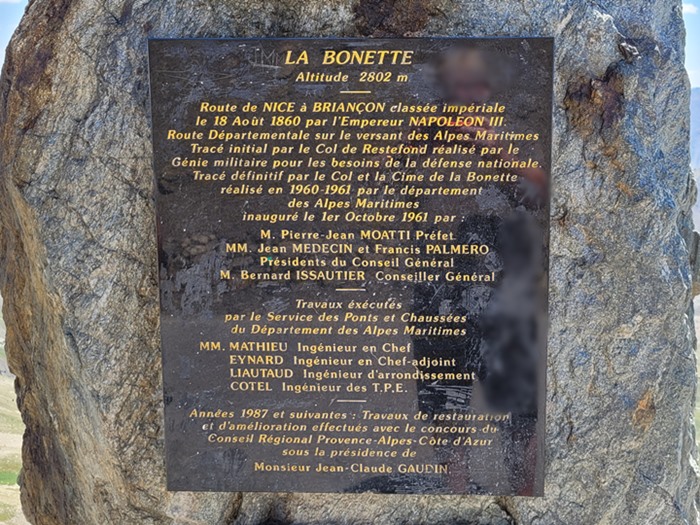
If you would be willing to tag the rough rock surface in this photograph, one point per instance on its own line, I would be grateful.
(78, 260)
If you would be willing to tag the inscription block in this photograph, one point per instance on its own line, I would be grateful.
(353, 250)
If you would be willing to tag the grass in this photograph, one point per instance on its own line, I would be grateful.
(11, 429)
(10, 420)
(7, 512)
(8, 478)
(9, 469)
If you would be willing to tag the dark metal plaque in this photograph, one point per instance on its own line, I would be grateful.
(353, 250)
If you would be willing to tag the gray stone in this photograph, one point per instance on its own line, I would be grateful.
(78, 261)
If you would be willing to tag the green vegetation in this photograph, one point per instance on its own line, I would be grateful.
(7, 511)
(11, 429)
(9, 469)
(10, 421)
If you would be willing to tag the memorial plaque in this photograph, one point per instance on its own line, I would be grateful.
(353, 250)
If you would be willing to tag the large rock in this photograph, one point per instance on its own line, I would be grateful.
(78, 260)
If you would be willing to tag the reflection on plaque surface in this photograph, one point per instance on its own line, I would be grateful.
(353, 251)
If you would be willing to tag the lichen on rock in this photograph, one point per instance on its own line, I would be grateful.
(79, 276)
